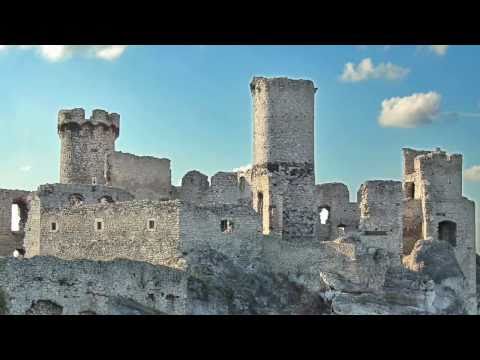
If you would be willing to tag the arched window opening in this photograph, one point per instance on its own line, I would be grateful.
(242, 184)
(341, 229)
(105, 200)
(76, 199)
(324, 214)
(447, 231)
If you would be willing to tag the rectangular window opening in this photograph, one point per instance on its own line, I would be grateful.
(226, 226)
(151, 224)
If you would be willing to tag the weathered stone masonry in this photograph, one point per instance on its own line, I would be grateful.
(111, 205)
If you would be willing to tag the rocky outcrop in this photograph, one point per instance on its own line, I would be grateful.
(429, 282)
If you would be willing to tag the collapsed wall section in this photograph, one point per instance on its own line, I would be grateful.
(336, 215)
(12, 238)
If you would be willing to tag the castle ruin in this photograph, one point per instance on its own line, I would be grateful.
(110, 204)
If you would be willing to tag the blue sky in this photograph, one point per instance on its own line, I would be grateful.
(192, 104)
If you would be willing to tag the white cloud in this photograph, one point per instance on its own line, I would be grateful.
(110, 52)
(410, 111)
(26, 168)
(242, 168)
(55, 53)
(366, 70)
(473, 173)
(439, 50)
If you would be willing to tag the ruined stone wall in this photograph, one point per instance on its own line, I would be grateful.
(124, 232)
(224, 189)
(51, 286)
(283, 173)
(59, 196)
(194, 187)
(462, 213)
(343, 214)
(145, 177)
(437, 179)
(381, 215)
(412, 224)
(9, 241)
(319, 265)
(201, 226)
(85, 144)
(56, 197)
(439, 176)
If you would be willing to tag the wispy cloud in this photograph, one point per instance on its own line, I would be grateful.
(366, 70)
(472, 174)
(439, 50)
(56, 53)
(26, 168)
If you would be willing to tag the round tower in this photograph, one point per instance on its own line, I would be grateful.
(283, 120)
(283, 176)
(85, 144)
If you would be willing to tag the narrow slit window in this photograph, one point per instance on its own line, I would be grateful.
(53, 227)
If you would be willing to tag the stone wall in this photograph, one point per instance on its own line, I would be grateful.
(194, 187)
(343, 215)
(56, 197)
(126, 231)
(85, 143)
(201, 226)
(51, 286)
(439, 176)
(412, 224)
(145, 177)
(11, 240)
(381, 215)
(158, 232)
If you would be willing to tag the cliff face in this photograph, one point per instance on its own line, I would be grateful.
(429, 282)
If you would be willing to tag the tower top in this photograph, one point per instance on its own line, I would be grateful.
(259, 81)
(98, 117)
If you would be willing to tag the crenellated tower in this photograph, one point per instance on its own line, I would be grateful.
(85, 144)
(283, 172)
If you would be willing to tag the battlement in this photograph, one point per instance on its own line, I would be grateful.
(98, 117)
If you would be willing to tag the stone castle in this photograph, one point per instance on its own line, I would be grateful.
(112, 205)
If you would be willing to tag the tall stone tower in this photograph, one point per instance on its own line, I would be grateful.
(85, 144)
(283, 174)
